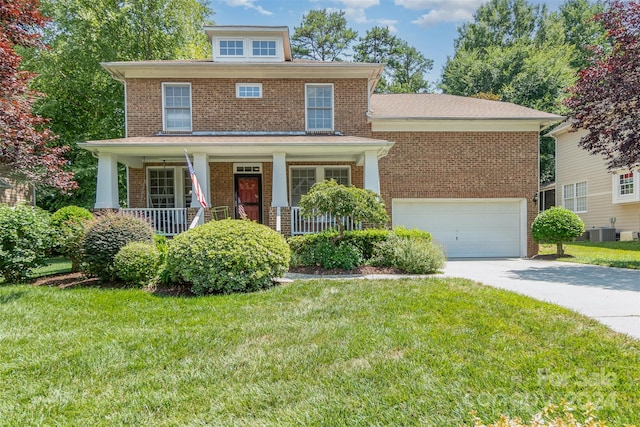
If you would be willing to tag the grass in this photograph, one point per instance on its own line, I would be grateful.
(53, 266)
(411, 352)
(610, 254)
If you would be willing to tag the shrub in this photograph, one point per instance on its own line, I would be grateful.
(335, 255)
(329, 197)
(306, 250)
(412, 233)
(411, 255)
(137, 263)
(228, 256)
(25, 238)
(556, 225)
(104, 238)
(69, 224)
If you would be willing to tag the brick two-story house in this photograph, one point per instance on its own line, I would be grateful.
(262, 128)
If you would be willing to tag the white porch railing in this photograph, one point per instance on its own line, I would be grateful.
(300, 225)
(167, 221)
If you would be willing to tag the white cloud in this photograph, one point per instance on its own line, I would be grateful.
(441, 10)
(248, 4)
(389, 23)
(355, 10)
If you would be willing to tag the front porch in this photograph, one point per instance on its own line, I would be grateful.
(261, 177)
(172, 221)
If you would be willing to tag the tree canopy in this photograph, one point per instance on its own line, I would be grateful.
(406, 65)
(606, 98)
(322, 36)
(26, 150)
(84, 102)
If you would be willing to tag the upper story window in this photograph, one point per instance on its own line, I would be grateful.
(319, 107)
(231, 47)
(248, 90)
(574, 196)
(263, 47)
(176, 103)
(626, 187)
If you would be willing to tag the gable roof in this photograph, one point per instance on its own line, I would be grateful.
(437, 106)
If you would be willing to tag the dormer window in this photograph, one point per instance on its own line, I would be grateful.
(231, 47)
(263, 47)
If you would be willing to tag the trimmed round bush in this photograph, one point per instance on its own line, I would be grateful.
(557, 225)
(227, 256)
(137, 263)
(25, 237)
(104, 238)
(69, 224)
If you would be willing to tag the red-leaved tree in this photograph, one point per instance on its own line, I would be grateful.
(606, 98)
(26, 149)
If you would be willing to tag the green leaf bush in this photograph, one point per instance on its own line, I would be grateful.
(227, 256)
(137, 263)
(305, 249)
(557, 225)
(104, 238)
(25, 238)
(414, 254)
(70, 224)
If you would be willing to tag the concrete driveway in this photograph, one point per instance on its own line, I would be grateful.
(609, 295)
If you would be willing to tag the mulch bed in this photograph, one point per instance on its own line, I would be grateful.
(78, 280)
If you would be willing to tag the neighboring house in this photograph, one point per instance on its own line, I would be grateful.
(584, 185)
(262, 128)
(13, 192)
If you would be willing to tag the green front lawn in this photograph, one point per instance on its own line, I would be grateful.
(409, 352)
(610, 254)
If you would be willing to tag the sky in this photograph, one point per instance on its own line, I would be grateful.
(429, 25)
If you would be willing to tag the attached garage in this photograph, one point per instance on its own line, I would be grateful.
(468, 228)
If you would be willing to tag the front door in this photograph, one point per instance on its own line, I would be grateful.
(248, 191)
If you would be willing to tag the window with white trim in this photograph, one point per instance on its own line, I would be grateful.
(319, 107)
(168, 187)
(231, 47)
(625, 184)
(302, 178)
(248, 90)
(263, 47)
(176, 101)
(574, 196)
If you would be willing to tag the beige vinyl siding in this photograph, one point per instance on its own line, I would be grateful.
(18, 193)
(573, 165)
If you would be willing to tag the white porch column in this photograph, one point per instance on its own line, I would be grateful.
(107, 186)
(371, 173)
(201, 168)
(279, 197)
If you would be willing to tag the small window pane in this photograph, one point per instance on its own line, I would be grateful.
(161, 188)
(264, 48)
(301, 182)
(231, 48)
(249, 90)
(626, 184)
(340, 175)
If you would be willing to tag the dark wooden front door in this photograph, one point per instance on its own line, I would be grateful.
(248, 190)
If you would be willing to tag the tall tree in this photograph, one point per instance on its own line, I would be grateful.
(84, 102)
(606, 98)
(25, 142)
(405, 64)
(322, 36)
(581, 29)
(521, 53)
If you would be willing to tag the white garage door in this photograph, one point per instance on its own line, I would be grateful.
(468, 227)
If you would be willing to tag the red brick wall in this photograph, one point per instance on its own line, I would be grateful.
(216, 108)
(462, 165)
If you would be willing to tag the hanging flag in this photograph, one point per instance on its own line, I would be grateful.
(241, 212)
(195, 184)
